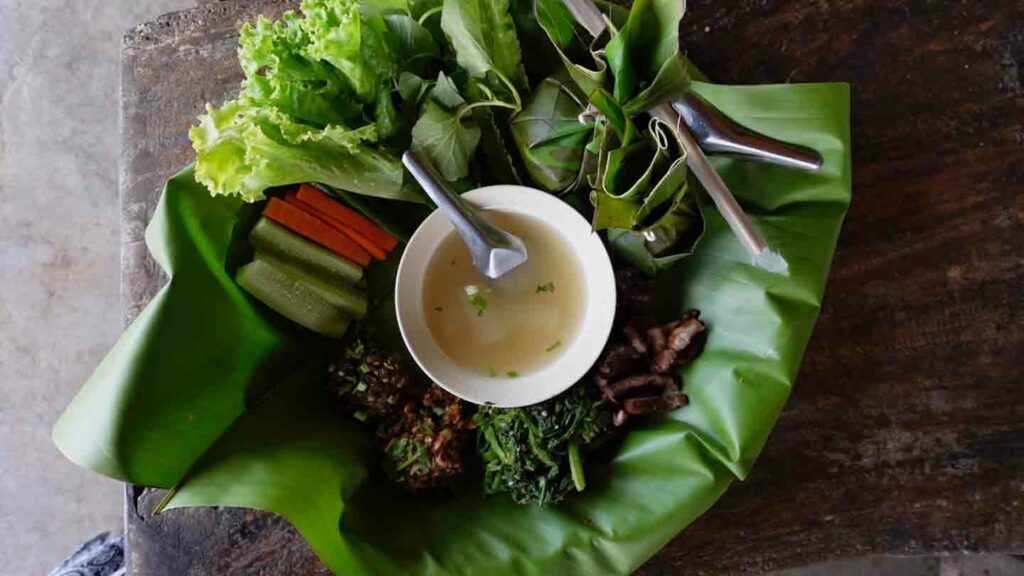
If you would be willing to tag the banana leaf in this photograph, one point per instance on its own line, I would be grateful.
(646, 52)
(549, 136)
(210, 393)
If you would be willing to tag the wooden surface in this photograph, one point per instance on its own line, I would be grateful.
(905, 433)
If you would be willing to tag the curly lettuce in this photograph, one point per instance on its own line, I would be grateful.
(317, 103)
(353, 42)
(243, 150)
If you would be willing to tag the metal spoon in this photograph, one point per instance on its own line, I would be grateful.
(494, 251)
(718, 134)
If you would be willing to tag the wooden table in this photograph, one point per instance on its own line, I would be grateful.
(905, 433)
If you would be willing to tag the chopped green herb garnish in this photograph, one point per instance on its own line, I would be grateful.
(492, 372)
(553, 347)
(364, 368)
(549, 288)
(512, 374)
(478, 302)
(438, 309)
(355, 351)
(361, 387)
(360, 415)
(476, 298)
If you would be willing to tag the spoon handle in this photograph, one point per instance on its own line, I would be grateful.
(478, 233)
(718, 134)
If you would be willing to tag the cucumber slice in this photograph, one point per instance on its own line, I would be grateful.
(341, 294)
(291, 298)
(270, 238)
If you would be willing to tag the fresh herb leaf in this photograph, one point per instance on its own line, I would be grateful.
(484, 38)
(438, 309)
(549, 288)
(512, 374)
(475, 297)
(492, 372)
(498, 157)
(553, 347)
(446, 93)
(412, 88)
(410, 43)
(447, 141)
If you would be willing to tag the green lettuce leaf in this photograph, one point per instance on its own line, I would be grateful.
(314, 82)
(340, 34)
(242, 151)
(278, 74)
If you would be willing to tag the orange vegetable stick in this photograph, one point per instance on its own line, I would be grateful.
(367, 244)
(317, 199)
(304, 224)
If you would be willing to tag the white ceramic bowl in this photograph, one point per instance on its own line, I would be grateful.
(574, 361)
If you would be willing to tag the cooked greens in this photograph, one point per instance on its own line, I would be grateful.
(535, 453)
(442, 134)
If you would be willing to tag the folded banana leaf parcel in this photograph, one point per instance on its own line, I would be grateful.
(223, 401)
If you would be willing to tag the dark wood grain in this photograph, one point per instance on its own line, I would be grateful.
(905, 433)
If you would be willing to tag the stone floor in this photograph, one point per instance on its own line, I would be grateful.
(59, 276)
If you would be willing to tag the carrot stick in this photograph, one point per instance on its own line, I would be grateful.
(367, 244)
(350, 218)
(305, 224)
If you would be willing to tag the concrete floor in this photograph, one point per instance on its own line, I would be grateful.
(59, 267)
(59, 260)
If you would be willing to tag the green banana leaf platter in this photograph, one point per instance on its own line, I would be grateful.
(210, 395)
